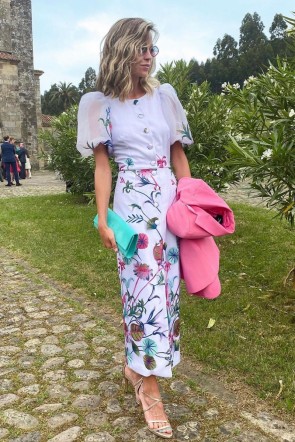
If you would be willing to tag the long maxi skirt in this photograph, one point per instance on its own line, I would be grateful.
(150, 280)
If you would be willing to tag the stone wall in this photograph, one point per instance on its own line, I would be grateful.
(20, 111)
(10, 114)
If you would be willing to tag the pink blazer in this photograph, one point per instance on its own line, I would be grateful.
(197, 214)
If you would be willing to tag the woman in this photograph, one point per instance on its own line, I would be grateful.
(143, 125)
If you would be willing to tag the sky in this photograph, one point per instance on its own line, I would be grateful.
(67, 33)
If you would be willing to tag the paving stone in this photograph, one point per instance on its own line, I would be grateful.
(5, 361)
(95, 420)
(53, 363)
(48, 408)
(211, 413)
(99, 437)
(8, 399)
(58, 392)
(123, 422)
(9, 349)
(87, 401)
(113, 406)
(26, 378)
(188, 431)
(144, 435)
(18, 419)
(31, 390)
(109, 389)
(56, 329)
(76, 363)
(80, 318)
(87, 375)
(51, 340)
(38, 315)
(29, 437)
(55, 376)
(33, 342)
(177, 411)
(3, 433)
(180, 387)
(67, 436)
(50, 349)
(35, 332)
(6, 385)
(230, 428)
(26, 361)
(61, 419)
(81, 386)
(250, 436)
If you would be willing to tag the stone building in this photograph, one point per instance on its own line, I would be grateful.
(20, 101)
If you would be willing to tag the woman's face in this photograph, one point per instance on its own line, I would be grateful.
(142, 64)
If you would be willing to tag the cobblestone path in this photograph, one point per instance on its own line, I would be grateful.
(60, 375)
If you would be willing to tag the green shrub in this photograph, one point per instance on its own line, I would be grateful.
(262, 142)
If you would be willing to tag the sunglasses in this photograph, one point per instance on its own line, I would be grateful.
(154, 50)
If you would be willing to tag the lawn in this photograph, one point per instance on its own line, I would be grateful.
(253, 335)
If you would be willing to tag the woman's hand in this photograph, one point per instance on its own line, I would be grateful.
(108, 237)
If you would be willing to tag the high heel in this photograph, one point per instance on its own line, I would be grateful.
(165, 431)
(136, 385)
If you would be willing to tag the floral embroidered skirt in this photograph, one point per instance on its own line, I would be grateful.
(150, 280)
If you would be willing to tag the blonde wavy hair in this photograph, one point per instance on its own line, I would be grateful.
(120, 48)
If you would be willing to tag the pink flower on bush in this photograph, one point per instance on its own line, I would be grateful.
(142, 271)
(143, 241)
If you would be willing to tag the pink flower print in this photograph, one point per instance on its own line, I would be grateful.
(167, 266)
(142, 271)
(161, 162)
(145, 172)
(143, 241)
(121, 264)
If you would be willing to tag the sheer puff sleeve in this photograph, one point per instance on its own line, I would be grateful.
(94, 123)
(174, 115)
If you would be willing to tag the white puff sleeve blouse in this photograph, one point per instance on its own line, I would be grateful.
(94, 123)
(175, 115)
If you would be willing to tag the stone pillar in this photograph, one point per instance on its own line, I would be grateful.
(5, 25)
(22, 46)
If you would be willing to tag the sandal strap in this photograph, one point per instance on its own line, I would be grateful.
(138, 383)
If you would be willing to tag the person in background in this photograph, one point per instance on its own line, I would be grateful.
(28, 167)
(9, 159)
(143, 125)
(22, 155)
(1, 168)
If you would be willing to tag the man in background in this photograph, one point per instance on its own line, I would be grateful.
(9, 159)
(22, 156)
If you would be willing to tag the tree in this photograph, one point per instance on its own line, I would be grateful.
(87, 84)
(278, 29)
(255, 51)
(225, 65)
(49, 105)
(65, 95)
(251, 33)
(226, 48)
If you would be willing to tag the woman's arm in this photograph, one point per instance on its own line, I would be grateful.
(103, 186)
(179, 161)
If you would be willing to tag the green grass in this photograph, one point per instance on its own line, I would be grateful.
(253, 336)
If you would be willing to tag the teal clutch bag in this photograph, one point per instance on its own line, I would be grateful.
(125, 236)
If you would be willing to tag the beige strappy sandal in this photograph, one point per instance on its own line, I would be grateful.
(136, 385)
(166, 431)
